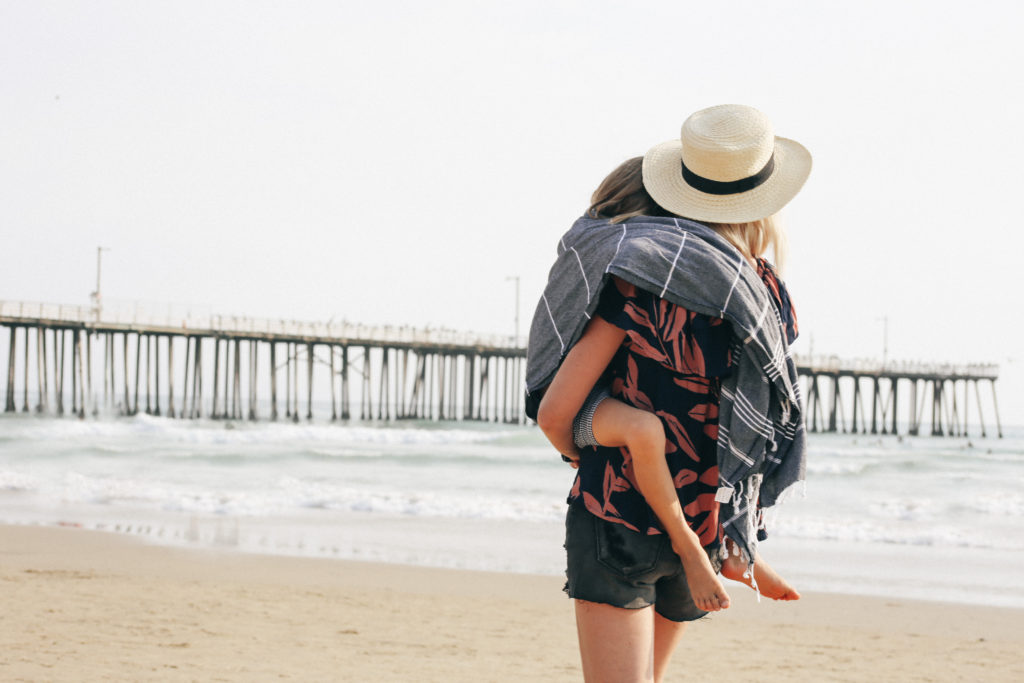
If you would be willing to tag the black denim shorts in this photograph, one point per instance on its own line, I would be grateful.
(613, 565)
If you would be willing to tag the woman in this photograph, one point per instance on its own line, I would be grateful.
(688, 327)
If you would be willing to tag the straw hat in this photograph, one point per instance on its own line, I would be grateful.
(726, 167)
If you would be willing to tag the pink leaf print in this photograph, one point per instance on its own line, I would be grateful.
(630, 392)
(632, 373)
(627, 467)
(674, 321)
(697, 385)
(592, 505)
(673, 333)
(693, 358)
(613, 483)
(768, 277)
(705, 502)
(684, 478)
(711, 431)
(681, 437)
(640, 317)
(707, 532)
(609, 479)
(642, 347)
(710, 476)
(711, 426)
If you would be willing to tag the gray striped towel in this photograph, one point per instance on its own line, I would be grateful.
(761, 446)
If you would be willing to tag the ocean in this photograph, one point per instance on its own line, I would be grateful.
(918, 517)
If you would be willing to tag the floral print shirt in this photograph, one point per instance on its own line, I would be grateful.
(670, 363)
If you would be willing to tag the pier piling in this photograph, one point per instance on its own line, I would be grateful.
(830, 374)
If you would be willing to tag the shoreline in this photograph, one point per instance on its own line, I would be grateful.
(85, 604)
(944, 574)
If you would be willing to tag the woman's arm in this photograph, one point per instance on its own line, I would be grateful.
(580, 370)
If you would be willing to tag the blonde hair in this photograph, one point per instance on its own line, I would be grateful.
(753, 239)
(622, 195)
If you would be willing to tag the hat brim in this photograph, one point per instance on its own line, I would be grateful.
(663, 180)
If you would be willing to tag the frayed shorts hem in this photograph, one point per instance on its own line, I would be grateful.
(610, 564)
(678, 620)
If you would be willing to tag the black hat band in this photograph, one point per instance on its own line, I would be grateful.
(709, 186)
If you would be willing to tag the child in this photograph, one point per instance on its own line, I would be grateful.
(605, 421)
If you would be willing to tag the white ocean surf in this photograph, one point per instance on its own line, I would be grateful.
(923, 517)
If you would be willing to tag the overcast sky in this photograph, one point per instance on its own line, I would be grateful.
(397, 162)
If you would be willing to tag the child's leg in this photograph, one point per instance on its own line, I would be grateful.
(617, 424)
(769, 583)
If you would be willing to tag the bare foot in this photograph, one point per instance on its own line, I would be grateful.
(769, 583)
(707, 591)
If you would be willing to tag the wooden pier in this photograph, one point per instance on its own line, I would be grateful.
(221, 367)
(903, 396)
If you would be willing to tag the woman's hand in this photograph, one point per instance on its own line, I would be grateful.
(573, 459)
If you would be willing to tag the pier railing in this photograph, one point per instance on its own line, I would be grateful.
(122, 317)
(822, 364)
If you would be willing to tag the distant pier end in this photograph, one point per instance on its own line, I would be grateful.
(223, 367)
(902, 396)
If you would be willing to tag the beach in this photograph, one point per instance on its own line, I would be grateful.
(153, 549)
(89, 605)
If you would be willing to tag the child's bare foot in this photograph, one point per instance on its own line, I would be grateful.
(769, 583)
(707, 591)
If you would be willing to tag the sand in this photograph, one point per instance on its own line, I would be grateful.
(92, 606)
